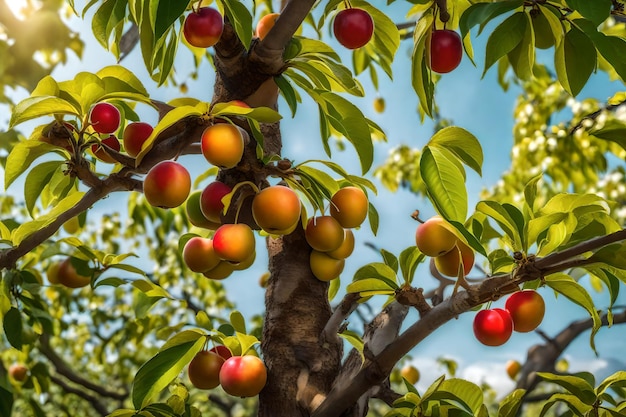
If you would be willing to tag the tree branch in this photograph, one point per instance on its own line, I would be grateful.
(347, 391)
(341, 313)
(92, 400)
(64, 369)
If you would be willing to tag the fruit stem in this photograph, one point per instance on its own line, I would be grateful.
(416, 216)
(444, 16)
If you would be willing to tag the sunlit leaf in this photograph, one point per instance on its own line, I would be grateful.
(445, 183)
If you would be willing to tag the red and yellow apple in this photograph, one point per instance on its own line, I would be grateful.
(167, 184)
(199, 255)
(234, 242)
(203, 28)
(243, 376)
(100, 150)
(211, 200)
(222, 144)
(433, 238)
(135, 134)
(448, 263)
(527, 309)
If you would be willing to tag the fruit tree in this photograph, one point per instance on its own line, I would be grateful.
(136, 207)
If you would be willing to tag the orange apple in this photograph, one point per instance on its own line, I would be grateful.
(410, 373)
(199, 255)
(69, 277)
(324, 233)
(512, 368)
(324, 267)
(448, 263)
(433, 239)
(349, 207)
(234, 242)
(346, 248)
(167, 184)
(266, 23)
(222, 145)
(527, 309)
(276, 209)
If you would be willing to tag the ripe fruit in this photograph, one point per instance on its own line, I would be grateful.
(349, 207)
(68, 276)
(199, 255)
(221, 350)
(18, 372)
(433, 239)
(223, 270)
(222, 145)
(410, 373)
(243, 376)
(264, 279)
(245, 264)
(527, 309)
(211, 200)
(324, 267)
(234, 242)
(379, 104)
(346, 248)
(135, 134)
(104, 118)
(266, 23)
(324, 233)
(444, 52)
(448, 263)
(99, 150)
(512, 368)
(493, 327)
(203, 28)
(204, 369)
(52, 272)
(194, 212)
(167, 184)
(276, 209)
(353, 27)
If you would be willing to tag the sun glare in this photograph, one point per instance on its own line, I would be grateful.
(20, 7)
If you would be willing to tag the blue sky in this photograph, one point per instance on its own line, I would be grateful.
(479, 106)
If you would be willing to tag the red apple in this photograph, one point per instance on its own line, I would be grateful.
(167, 184)
(444, 52)
(527, 309)
(221, 350)
(203, 28)
(105, 118)
(234, 242)
(493, 327)
(211, 200)
(100, 152)
(353, 27)
(243, 376)
(135, 134)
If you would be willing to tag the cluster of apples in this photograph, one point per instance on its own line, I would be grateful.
(330, 236)
(523, 312)
(240, 376)
(450, 253)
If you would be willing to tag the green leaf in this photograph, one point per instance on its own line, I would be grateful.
(33, 107)
(465, 393)
(573, 384)
(26, 229)
(12, 325)
(36, 181)
(571, 401)
(420, 74)
(575, 59)
(238, 321)
(409, 259)
(156, 374)
(171, 118)
(445, 183)
(613, 255)
(379, 271)
(239, 16)
(21, 157)
(617, 378)
(333, 288)
(462, 144)
(511, 403)
(504, 219)
(372, 284)
(6, 396)
(572, 290)
(108, 16)
(260, 114)
(506, 36)
(530, 192)
(355, 340)
(610, 47)
(150, 289)
(522, 57)
(483, 13)
(117, 78)
(168, 12)
(289, 93)
(597, 10)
